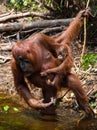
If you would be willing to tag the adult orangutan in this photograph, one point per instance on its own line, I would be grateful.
(33, 56)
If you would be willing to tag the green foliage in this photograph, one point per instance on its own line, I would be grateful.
(93, 100)
(66, 8)
(89, 59)
(95, 95)
(16, 109)
(20, 5)
(93, 104)
(6, 108)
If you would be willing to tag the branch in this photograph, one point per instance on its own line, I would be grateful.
(20, 15)
(4, 59)
(37, 24)
(50, 30)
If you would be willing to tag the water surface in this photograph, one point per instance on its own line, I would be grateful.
(28, 119)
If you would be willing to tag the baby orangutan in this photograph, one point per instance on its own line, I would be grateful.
(65, 61)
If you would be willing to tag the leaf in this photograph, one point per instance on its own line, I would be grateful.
(95, 95)
(16, 109)
(12, 1)
(93, 104)
(6, 108)
(89, 59)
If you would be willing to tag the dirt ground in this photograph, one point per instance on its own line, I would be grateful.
(6, 79)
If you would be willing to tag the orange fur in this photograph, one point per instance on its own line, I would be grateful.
(39, 54)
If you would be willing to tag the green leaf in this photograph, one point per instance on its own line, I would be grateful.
(6, 108)
(89, 59)
(95, 95)
(16, 109)
(93, 104)
(12, 1)
(25, 3)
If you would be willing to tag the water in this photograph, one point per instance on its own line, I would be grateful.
(24, 121)
(28, 119)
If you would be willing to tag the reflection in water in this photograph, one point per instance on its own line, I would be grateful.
(30, 120)
(88, 125)
(24, 121)
(68, 120)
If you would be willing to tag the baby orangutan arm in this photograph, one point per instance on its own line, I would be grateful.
(65, 62)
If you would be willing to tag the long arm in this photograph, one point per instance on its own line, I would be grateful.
(23, 89)
(73, 30)
(65, 39)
